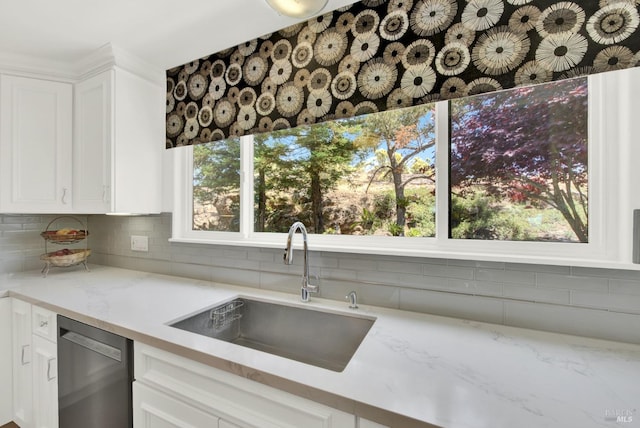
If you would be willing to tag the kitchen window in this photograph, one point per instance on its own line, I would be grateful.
(441, 179)
(519, 164)
(216, 186)
(372, 175)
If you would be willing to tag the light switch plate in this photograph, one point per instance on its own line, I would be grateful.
(139, 243)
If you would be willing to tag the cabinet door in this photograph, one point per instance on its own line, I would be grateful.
(153, 409)
(137, 159)
(45, 383)
(117, 154)
(93, 118)
(22, 367)
(6, 403)
(35, 145)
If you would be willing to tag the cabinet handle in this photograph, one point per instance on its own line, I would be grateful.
(64, 195)
(104, 193)
(49, 361)
(44, 324)
(24, 353)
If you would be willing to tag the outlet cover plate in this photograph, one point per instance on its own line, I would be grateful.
(139, 243)
(636, 236)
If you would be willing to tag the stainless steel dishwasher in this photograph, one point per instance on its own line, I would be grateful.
(95, 371)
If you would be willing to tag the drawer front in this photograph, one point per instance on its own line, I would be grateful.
(235, 399)
(44, 323)
(364, 423)
(153, 409)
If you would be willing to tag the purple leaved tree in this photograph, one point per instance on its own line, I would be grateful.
(528, 144)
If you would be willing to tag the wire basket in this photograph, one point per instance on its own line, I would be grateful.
(68, 236)
(73, 257)
(65, 236)
(224, 315)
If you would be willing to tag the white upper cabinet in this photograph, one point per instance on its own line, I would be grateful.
(118, 144)
(35, 145)
(93, 114)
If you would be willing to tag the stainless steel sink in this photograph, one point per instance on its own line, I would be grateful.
(322, 339)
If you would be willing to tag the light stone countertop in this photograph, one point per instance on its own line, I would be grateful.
(442, 371)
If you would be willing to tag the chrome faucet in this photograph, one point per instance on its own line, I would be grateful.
(288, 259)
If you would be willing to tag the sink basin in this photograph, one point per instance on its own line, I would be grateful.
(322, 339)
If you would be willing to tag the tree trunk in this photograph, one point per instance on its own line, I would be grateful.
(262, 201)
(398, 187)
(401, 208)
(574, 220)
(316, 203)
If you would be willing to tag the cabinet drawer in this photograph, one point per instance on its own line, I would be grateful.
(44, 323)
(364, 423)
(237, 400)
(153, 409)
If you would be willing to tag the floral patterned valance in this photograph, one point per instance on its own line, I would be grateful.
(383, 54)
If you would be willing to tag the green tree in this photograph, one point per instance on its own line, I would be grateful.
(330, 154)
(308, 160)
(270, 166)
(216, 168)
(400, 137)
(216, 176)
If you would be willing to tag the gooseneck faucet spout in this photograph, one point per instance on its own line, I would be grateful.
(288, 259)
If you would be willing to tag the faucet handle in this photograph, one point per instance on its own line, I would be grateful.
(352, 297)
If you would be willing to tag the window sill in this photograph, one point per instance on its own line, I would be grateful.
(421, 252)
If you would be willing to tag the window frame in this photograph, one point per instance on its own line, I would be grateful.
(604, 200)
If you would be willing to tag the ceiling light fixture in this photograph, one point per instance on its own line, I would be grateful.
(297, 8)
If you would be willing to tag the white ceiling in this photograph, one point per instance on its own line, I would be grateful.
(164, 33)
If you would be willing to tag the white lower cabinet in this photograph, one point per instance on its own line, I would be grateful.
(22, 367)
(169, 390)
(45, 383)
(154, 409)
(6, 376)
(364, 423)
(35, 366)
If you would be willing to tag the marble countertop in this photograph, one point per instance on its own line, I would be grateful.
(410, 367)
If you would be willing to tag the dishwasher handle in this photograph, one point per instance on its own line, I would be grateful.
(93, 345)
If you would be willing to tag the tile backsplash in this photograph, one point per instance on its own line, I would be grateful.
(20, 242)
(601, 303)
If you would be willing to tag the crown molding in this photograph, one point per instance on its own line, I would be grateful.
(103, 58)
(11, 63)
(109, 55)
